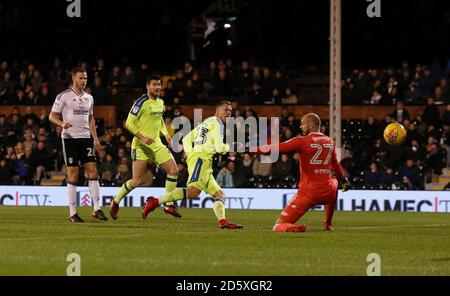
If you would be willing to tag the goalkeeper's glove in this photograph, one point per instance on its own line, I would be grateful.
(345, 184)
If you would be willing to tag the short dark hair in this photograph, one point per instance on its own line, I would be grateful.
(153, 77)
(223, 102)
(77, 70)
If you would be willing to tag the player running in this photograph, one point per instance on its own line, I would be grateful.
(79, 139)
(145, 122)
(200, 145)
(317, 186)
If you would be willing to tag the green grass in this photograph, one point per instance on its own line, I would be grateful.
(37, 240)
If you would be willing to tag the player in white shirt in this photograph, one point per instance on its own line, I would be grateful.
(79, 139)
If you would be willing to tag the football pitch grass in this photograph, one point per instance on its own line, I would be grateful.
(37, 241)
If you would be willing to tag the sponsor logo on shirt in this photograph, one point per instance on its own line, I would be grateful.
(322, 171)
(80, 112)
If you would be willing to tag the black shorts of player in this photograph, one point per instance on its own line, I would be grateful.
(78, 151)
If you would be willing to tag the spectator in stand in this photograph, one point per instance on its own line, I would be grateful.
(243, 171)
(115, 77)
(267, 83)
(389, 178)
(415, 151)
(286, 135)
(284, 116)
(348, 163)
(282, 168)
(43, 161)
(22, 98)
(142, 74)
(256, 97)
(44, 96)
(376, 97)
(274, 99)
(401, 113)
(245, 76)
(30, 124)
(191, 93)
(99, 92)
(179, 81)
(6, 173)
(412, 93)
(108, 164)
(293, 124)
(289, 97)
(57, 73)
(443, 84)
(426, 83)
(412, 172)
(222, 86)
(224, 177)
(100, 70)
(8, 86)
(128, 78)
(407, 184)
(123, 175)
(435, 158)
(373, 176)
(430, 113)
(446, 115)
(371, 129)
(36, 80)
(261, 166)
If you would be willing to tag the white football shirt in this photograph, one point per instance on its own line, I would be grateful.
(75, 109)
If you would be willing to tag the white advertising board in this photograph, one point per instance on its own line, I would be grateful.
(353, 200)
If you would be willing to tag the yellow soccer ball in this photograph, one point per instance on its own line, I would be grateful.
(394, 134)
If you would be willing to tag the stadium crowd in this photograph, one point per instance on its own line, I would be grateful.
(29, 85)
(31, 147)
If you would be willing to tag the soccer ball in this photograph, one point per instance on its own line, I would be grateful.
(394, 134)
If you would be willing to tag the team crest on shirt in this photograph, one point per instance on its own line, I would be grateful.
(70, 160)
(135, 109)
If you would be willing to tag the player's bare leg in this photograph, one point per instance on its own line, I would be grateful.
(219, 210)
(171, 169)
(178, 194)
(139, 170)
(72, 180)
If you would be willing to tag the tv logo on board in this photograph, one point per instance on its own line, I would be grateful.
(84, 198)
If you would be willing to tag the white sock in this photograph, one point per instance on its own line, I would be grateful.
(72, 191)
(94, 189)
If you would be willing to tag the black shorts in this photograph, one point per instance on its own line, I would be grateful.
(78, 151)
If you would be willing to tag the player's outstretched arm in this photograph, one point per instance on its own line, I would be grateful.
(288, 146)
